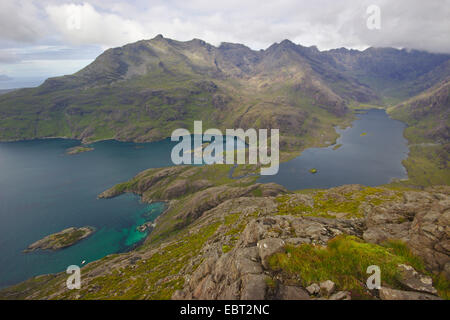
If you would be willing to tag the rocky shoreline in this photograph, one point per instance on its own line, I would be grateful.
(62, 239)
(222, 238)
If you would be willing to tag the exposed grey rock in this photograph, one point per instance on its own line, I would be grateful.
(292, 293)
(320, 230)
(297, 241)
(415, 281)
(251, 234)
(253, 287)
(231, 292)
(179, 295)
(392, 294)
(268, 247)
(245, 266)
(313, 289)
(422, 220)
(341, 295)
(327, 287)
(447, 268)
(430, 234)
(205, 289)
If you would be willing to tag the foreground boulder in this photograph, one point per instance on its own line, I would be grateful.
(392, 294)
(327, 287)
(421, 219)
(269, 247)
(411, 279)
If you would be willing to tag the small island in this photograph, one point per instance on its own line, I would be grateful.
(62, 239)
(313, 170)
(363, 134)
(78, 149)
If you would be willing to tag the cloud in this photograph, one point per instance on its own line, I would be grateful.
(414, 24)
(20, 21)
(5, 78)
(83, 24)
(6, 56)
(325, 23)
(78, 31)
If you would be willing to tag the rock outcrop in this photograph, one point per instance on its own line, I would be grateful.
(421, 219)
(62, 239)
(392, 294)
(244, 272)
(418, 217)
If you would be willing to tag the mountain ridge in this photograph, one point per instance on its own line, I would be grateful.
(144, 90)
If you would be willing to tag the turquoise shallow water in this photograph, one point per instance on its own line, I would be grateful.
(43, 190)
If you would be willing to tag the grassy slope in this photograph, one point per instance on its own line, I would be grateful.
(345, 260)
(427, 116)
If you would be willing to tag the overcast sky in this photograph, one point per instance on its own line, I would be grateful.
(46, 38)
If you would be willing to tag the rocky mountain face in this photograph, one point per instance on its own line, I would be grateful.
(429, 112)
(247, 271)
(143, 90)
(233, 239)
(393, 73)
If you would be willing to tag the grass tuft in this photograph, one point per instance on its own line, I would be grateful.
(345, 261)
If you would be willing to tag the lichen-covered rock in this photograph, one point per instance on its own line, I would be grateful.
(392, 294)
(253, 287)
(429, 236)
(292, 293)
(327, 287)
(422, 220)
(269, 247)
(320, 230)
(251, 234)
(341, 295)
(313, 289)
(411, 279)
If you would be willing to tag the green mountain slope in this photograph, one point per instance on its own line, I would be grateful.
(428, 132)
(393, 74)
(144, 90)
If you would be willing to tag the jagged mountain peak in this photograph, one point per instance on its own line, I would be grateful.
(383, 65)
(159, 37)
(286, 74)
